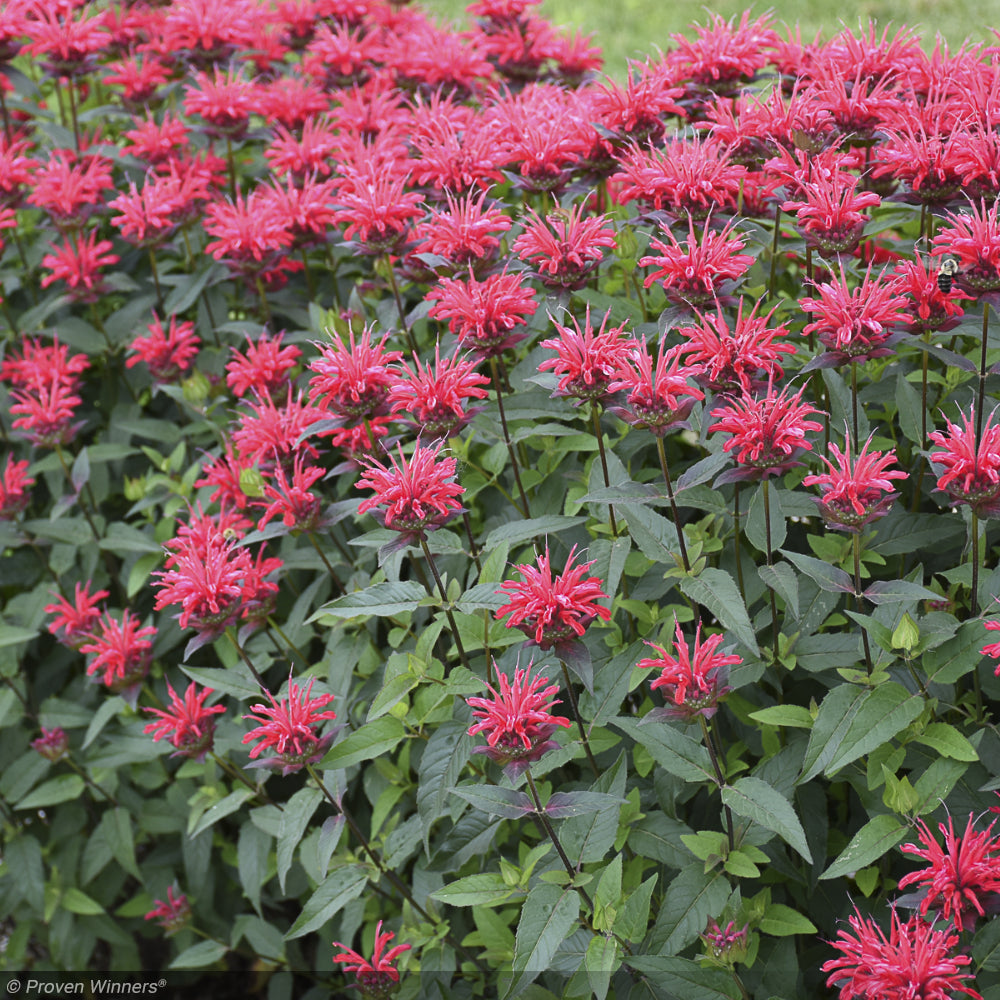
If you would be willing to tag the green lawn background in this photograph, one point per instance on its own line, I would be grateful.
(630, 29)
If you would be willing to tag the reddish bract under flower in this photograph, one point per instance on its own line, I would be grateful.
(375, 977)
(693, 678)
(187, 722)
(971, 474)
(914, 961)
(961, 876)
(854, 493)
(291, 728)
(549, 609)
(418, 492)
(517, 719)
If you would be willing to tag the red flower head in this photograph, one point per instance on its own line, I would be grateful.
(687, 177)
(418, 493)
(658, 397)
(263, 369)
(971, 475)
(974, 238)
(377, 979)
(299, 509)
(187, 722)
(854, 325)
(856, 492)
(149, 215)
(223, 100)
(928, 307)
(14, 485)
(737, 359)
(434, 397)
(694, 680)
(829, 211)
(768, 434)
(70, 188)
(47, 412)
(74, 623)
(914, 961)
(251, 234)
(52, 744)
(77, 262)
(488, 316)
(377, 210)
(168, 353)
(517, 720)
(352, 379)
(291, 728)
(565, 248)
(993, 650)
(587, 362)
(122, 654)
(695, 272)
(727, 945)
(207, 579)
(270, 434)
(465, 234)
(157, 142)
(551, 610)
(173, 914)
(961, 877)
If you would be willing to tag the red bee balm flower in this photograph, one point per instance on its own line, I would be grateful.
(377, 978)
(693, 679)
(565, 248)
(418, 493)
(959, 877)
(915, 961)
(768, 434)
(14, 484)
(172, 914)
(971, 475)
(517, 719)
(187, 722)
(168, 353)
(73, 623)
(123, 653)
(853, 493)
(993, 650)
(553, 610)
(587, 361)
(291, 728)
(974, 238)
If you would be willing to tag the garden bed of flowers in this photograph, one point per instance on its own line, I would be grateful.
(470, 527)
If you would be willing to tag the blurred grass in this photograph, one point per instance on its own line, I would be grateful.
(630, 29)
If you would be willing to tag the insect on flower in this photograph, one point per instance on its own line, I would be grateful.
(946, 274)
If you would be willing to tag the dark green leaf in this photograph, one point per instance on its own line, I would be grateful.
(506, 802)
(487, 889)
(754, 526)
(898, 592)
(654, 534)
(116, 825)
(380, 599)
(782, 580)
(547, 917)
(880, 834)
(633, 917)
(221, 809)
(345, 884)
(692, 897)
(671, 749)
(600, 962)
(251, 855)
(372, 740)
(782, 921)
(199, 955)
(564, 804)
(828, 577)
(681, 977)
(294, 820)
(50, 793)
(716, 590)
(936, 783)
(531, 527)
(757, 800)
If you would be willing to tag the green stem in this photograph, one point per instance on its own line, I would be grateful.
(599, 434)
(719, 778)
(399, 304)
(774, 253)
(770, 562)
(736, 543)
(444, 600)
(333, 576)
(579, 720)
(525, 509)
(854, 403)
(859, 601)
(673, 503)
(246, 659)
(156, 280)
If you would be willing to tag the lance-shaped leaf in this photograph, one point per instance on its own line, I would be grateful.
(381, 599)
(680, 977)
(878, 835)
(671, 749)
(898, 592)
(826, 576)
(485, 889)
(716, 590)
(757, 800)
(548, 916)
(372, 740)
(345, 884)
(563, 804)
(507, 802)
